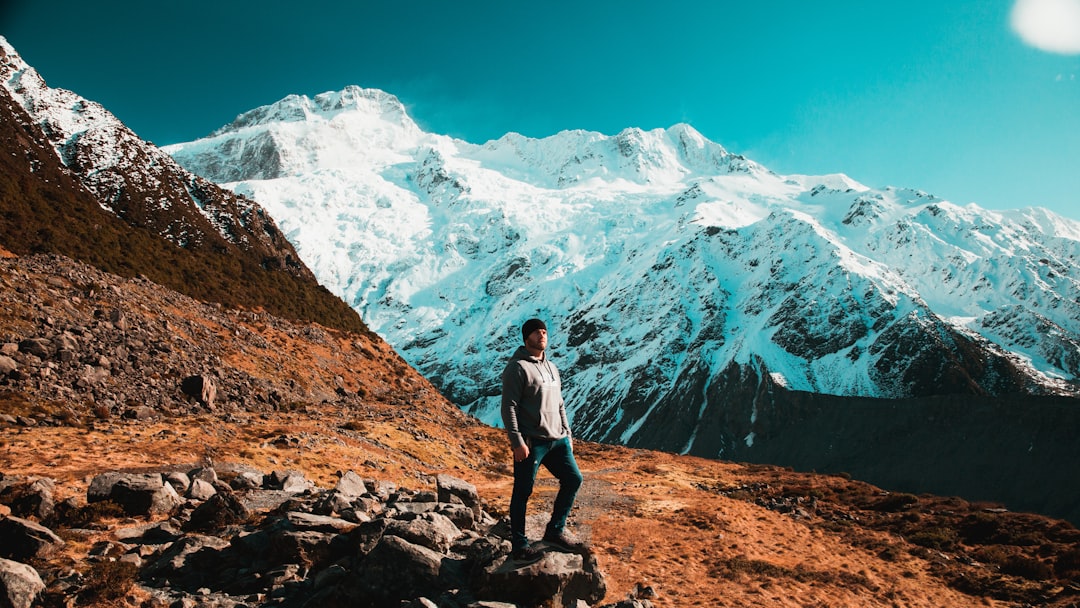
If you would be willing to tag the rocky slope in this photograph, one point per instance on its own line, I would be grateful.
(92, 383)
(76, 181)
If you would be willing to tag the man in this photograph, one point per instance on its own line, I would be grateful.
(535, 419)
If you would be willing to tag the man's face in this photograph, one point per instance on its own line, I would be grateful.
(537, 340)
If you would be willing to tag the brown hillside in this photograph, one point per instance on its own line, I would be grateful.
(46, 208)
(298, 396)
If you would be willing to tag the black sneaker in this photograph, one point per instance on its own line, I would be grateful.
(527, 554)
(562, 540)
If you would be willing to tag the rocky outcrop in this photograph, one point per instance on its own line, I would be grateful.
(286, 542)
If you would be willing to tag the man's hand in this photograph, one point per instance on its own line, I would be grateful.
(521, 452)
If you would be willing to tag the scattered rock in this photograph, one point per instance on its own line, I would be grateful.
(22, 539)
(19, 584)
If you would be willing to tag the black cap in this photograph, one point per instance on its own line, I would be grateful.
(530, 326)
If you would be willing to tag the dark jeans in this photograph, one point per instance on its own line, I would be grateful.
(558, 457)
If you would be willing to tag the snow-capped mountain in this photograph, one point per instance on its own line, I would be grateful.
(683, 284)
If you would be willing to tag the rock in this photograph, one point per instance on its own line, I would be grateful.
(201, 490)
(179, 481)
(218, 511)
(351, 485)
(395, 570)
(246, 480)
(19, 584)
(159, 533)
(430, 530)
(23, 539)
(318, 523)
(292, 482)
(29, 497)
(565, 578)
(450, 488)
(395, 547)
(101, 486)
(7, 365)
(186, 561)
(140, 412)
(201, 388)
(335, 502)
(39, 347)
(207, 474)
(462, 516)
(136, 493)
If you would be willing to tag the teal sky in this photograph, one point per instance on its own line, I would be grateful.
(971, 100)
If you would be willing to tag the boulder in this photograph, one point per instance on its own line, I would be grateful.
(7, 365)
(318, 523)
(395, 570)
(565, 578)
(218, 511)
(430, 530)
(186, 561)
(201, 490)
(39, 347)
(19, 584)
(23, 539)
(136, 493)
(179, 481)
(29, 497)
(246, 480)
(351, 485)
(292, 482)
(207, 474)
(450, 488)
(201, 388)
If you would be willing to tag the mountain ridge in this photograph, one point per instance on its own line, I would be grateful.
(137, 210)
(691, 311)
(517, 199)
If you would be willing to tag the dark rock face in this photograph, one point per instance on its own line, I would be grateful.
(931, 444)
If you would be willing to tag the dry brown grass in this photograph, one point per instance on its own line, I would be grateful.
(700, 532)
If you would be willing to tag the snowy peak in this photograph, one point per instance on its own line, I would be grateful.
(349, 130)
(325, 107)
(659, 156)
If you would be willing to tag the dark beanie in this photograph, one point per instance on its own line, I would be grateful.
(530, 326)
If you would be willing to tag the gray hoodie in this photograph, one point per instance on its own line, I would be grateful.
(532, 403)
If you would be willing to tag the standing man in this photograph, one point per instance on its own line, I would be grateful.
(535, 419)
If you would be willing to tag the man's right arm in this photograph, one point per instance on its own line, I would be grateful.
(512, 388)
